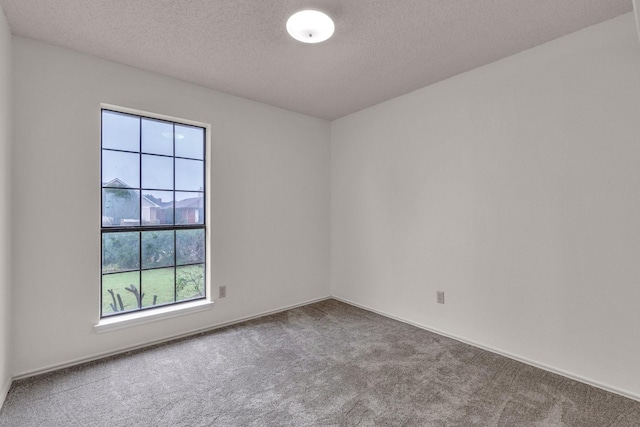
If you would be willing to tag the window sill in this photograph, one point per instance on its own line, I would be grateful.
(133, 319)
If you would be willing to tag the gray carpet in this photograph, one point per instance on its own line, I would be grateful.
(326, 364)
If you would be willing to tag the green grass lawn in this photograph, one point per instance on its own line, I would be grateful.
(156, 284)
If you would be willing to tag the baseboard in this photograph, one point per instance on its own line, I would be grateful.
(98, 356)
(4, 391)
(516, 357)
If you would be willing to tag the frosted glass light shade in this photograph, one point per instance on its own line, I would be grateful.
(310, 26)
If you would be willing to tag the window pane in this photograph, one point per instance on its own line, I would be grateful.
(120, 169)
(157, 249)
(120, 207)
(157, 172)
(189, 175)
(157, 137)
(157, 207)
(153, 183)
(189, 208)
(189, 246)
(158, 286)
(189, 142)
(190, 282)
(120, 251)
(120, 131)
(118, 292)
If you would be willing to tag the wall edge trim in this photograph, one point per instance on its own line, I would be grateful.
(552, 369)
(98, 356)
(518, 358)
(4, 391)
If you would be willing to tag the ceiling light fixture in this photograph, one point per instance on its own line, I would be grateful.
(310, 26)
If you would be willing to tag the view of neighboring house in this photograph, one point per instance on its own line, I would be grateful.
(190, 210)
(155, 213)
(122, 206)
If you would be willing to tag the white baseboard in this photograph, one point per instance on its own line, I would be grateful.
(518, 358)
(91, 358)
(605, 387)
(4, 391)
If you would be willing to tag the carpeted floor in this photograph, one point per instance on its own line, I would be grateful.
(325, 364)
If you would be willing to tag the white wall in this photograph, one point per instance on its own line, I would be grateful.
(270, 202)
(514, 188)
(5, 195)
(636, 9)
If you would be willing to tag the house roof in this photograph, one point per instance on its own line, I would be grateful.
(116, 183)
(193, 202)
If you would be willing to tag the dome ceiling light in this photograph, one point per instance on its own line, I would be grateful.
(310, 26)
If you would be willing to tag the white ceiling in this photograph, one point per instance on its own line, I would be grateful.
(381, 48)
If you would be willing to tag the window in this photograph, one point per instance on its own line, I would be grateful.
(153, 212)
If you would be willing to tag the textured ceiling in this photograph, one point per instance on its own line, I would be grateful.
(381, 48)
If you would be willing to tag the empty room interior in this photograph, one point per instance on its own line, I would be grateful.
(432, 217)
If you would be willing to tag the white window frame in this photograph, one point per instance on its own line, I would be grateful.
(154, 314)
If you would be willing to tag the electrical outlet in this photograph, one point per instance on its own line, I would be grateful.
(222, 291)
(440, 297)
